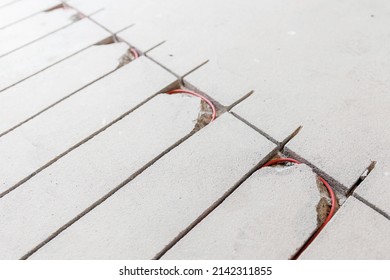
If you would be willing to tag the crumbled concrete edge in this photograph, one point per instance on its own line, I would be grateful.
(126, 58)
(325, 203)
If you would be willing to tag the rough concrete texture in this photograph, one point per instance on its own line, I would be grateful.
(356, 232)
(291, 67)
(29, 147)
(15, 36)
(142, 218)
(31, 213)
(270, 216)
(22, 9)
(57, 82)
(43, 53)
(376, 187)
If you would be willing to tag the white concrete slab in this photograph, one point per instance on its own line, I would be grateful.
(6, 2)
(34, 211)
(34, 144)
(41, 54)
(270, 216)
(34, 28)
(22, 9)
(143, 217)
(356, 232)
(28, 98)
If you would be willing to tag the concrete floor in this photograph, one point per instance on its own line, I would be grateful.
(98, 163)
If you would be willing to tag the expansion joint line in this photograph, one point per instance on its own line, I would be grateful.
(332, 198)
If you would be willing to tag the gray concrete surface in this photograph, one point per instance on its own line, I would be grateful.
(141, 219)
(20, 10)
(356, 232)
(250, 223)
(33, 145)
(68, 187)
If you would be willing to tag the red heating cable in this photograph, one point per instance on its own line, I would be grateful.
(214, 114)
(134, 53)
(330, 191)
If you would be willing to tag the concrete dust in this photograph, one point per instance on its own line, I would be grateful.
(204, 117)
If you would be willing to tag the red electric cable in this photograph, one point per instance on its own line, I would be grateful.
(134, 53)
(331, 194)
(214, 114)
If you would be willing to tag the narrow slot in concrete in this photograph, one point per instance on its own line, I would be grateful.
(230, 107)
(58, 7)
(44, 109)
(340, 188)
(175, 85)
(214, 206)
(21, 182)
(127, 57)
(361, 178)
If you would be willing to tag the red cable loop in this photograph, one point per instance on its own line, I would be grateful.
(330, 191)
(134, 53)
(214, 114)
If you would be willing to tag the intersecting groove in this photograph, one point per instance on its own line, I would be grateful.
(76, 17)
(255, 128)
(333, 182)
(57, 102)
(194, 69)
(290, 137)
(361, 178)
(210, 209)
(162, 66)
(175, 85)
(240, 100)
(58, 7)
